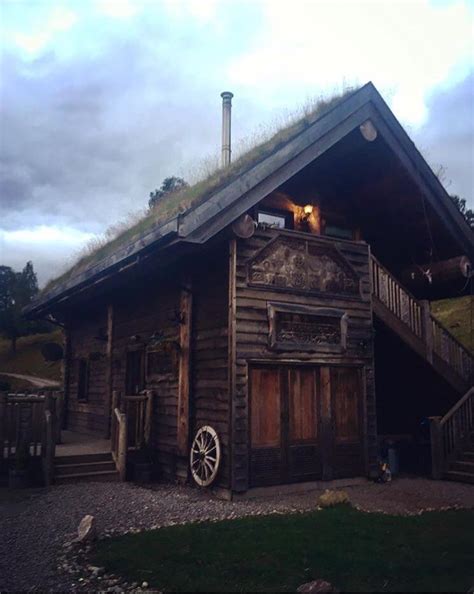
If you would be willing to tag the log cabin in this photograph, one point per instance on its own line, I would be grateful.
(271, 309)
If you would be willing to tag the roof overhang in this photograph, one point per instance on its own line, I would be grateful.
(206, 220)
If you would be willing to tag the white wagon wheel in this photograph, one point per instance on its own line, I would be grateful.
(205, 456)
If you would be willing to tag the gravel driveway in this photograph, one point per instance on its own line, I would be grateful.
(33, 529)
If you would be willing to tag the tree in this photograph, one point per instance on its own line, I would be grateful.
(170, 185)
(17, 289)
(467, 213)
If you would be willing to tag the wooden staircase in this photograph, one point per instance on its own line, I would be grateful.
(452, 442)
(412, 321)
(452, 436)
(462, 468)
(85, 467)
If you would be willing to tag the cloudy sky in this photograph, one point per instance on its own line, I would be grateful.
(100, 100)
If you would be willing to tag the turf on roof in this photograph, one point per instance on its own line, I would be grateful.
(188, 198)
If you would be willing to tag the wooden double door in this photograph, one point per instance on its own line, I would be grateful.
(305, 423)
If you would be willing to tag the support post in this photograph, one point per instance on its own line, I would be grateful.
(427, 328)
(122, 447)
(66, 373)
(148, 416)
(186, 302)
(109, 406)
(3, 413)
(437, 458)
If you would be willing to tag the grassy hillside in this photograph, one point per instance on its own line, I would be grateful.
(458, 316)
(28, 359)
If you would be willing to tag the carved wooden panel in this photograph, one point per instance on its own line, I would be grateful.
(303, 265)
(299, 327)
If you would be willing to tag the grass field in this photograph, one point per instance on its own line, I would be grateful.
(355, 551)
(28, 359)
(458, 317)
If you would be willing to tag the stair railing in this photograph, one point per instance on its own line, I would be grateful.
(416, 315)
(396, 298)
(449, 434)
(130, 426)
(118, 438)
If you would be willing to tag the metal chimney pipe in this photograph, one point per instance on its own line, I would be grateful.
(226, 121)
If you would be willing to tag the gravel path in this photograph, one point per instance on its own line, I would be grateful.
(34, 528)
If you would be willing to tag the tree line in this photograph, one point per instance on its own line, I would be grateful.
(17, 290)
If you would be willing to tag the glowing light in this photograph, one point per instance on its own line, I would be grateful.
(308, 209)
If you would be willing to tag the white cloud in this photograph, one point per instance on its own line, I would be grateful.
(406, 47)
(65, 236)
(43, 30)
(118, 9)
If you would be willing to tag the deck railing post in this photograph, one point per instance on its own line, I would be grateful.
(3, 414)
(148, 416)
(122, 447)
(427, 326)
(437, 454)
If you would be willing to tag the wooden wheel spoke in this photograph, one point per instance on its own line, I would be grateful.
(204, 457)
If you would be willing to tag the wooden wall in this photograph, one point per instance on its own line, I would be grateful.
(252, 341)
(139, 314)
(209, 353)
(87, 416)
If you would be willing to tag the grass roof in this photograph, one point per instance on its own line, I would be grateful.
(262, 145)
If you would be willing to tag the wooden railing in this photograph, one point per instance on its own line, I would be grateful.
(451, 351)
(22, 421)
(449, 434)
(130, 426)
(396, 298)
(416, 316)
(119, 442)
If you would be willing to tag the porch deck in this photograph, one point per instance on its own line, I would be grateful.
(78, 444)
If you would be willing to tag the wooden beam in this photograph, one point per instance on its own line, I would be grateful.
(232, 348)
(66, 372)
(186, 303)
(109, 371)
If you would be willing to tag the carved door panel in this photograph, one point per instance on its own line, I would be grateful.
(265, 426)
(284, 425)
(303, 431)
(346, 411)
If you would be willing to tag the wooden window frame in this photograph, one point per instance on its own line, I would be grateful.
(273, 309)
(140, 348)
(287, 215)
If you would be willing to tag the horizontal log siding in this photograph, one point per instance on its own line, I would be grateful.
(252, 341)
(209, 354)
(88, 416)
(141, 314)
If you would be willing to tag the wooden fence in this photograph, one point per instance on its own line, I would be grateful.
(23, 421)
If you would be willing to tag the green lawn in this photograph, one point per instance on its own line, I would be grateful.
(458, 316)
(355, 551)
(28, 359)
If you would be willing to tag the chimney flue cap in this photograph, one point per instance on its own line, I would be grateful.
(227, 95)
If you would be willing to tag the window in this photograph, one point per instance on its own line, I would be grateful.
(83, 379)
(279, 219)
(134, 374)
(338, 231)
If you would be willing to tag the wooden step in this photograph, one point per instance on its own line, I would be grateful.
(103, 476)
(83, 468)
(83, 458)
(463, 466)
(460, 477)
